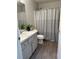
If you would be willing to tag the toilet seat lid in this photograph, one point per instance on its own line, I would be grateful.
(40, 36)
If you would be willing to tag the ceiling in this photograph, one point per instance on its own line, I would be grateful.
(45, 0)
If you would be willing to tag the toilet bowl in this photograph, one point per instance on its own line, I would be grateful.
(40, 39)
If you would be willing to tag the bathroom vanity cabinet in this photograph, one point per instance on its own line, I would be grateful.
(29, 43)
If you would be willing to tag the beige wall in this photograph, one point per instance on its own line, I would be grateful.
(55, 4)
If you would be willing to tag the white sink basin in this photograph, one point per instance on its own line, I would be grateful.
(26, 34)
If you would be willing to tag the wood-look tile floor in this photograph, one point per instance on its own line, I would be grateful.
(48, 50)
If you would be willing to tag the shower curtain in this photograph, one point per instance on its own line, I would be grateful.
(46, 22)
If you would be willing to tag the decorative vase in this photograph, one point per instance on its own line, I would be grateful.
(28, 29)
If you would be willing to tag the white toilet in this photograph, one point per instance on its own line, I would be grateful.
(40, 39)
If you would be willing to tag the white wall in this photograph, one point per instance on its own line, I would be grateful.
(28, 15)
(59, 47)
(30, 6)
(56, 4)
(21, 17)
(22, 1)
(19, 49)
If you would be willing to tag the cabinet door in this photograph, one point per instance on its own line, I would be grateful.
(24, 49)
(34, 42)
(29, 48)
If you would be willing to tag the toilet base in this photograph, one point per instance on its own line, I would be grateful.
(40, 41)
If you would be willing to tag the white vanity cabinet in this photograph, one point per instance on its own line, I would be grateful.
(29, 45)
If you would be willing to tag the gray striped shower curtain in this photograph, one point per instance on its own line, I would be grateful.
(47, 23)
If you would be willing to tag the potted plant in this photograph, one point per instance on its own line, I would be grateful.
(22, 26)
(28, 27)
